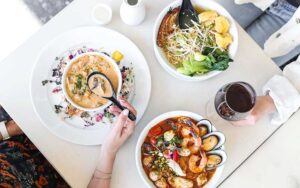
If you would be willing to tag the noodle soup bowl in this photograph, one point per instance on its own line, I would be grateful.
(206, 5)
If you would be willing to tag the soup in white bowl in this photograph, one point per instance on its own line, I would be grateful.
(75, 77)
(180, 149)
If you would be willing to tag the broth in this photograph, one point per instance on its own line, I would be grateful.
(76, 80)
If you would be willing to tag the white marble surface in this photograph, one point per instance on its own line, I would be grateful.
(76, 163)
(275, 164)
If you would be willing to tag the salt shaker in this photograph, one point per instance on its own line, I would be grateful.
(132, 12)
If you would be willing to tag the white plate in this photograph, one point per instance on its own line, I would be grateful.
(213, 181)
(96, 37)
(205, 4)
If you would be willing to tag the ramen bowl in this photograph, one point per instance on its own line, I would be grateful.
(74, 80)
(219, 148)
(204, 5)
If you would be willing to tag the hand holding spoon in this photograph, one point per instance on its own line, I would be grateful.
(100, 85)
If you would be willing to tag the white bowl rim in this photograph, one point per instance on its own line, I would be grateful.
(169, 68)
(213, 181)
(68, 67)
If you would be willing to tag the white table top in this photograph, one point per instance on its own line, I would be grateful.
(275, 164)
(76, 163)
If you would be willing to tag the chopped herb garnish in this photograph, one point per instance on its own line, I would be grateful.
(175, 141)
(79, 81)
(174, 127)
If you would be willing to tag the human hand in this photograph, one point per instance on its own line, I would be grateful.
(122, 129)
(264, 105)
(13, 129)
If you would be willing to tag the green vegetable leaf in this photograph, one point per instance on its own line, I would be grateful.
(175, 141)
(199, 57)
(222, 62)
(184, 71)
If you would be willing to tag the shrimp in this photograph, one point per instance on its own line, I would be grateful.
(147, 161)
(193, 162)
(202, 179)
(179, 182)
(185, 131)
(155, 175)
(188, 127)
(190, 175)
(192, 144)
(161, 183)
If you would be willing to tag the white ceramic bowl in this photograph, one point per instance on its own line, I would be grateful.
(112, 62)
(205, 4)
(213, 181)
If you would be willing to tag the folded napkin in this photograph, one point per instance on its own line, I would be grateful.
(285, 92)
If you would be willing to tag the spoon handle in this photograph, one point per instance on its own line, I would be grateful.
(131, 116)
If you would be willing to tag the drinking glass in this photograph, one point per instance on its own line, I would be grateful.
(233, 102)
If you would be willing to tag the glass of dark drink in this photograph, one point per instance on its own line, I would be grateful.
(234, 101)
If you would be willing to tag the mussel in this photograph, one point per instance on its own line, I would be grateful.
(215, 159)
(205, 127)
(212, 141)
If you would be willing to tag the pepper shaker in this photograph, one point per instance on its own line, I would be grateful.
(132, 12)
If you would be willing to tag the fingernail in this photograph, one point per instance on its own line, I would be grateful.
(125, 112)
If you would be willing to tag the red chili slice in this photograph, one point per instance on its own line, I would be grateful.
(155, 131)
(153, 140)
(175, 155)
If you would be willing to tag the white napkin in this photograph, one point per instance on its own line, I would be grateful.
(285, 95)
(292, 73)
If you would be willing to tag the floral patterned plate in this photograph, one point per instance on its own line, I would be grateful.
(69, 113)
(50, 104)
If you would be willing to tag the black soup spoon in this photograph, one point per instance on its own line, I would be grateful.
(187, 15)
(100, 85)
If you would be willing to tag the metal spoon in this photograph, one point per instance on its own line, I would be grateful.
(187, 15)
(100, 85)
